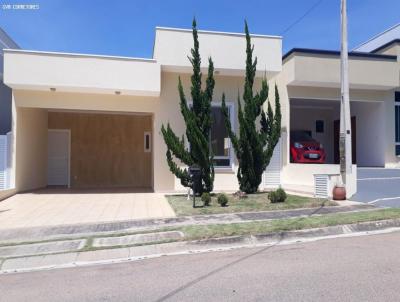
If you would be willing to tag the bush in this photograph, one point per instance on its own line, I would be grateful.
(281, 194)
(222, 200)
(206, 199)
(277, 196)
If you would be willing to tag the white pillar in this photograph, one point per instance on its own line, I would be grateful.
(345, 120)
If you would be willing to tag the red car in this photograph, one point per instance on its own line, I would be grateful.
(305, 149)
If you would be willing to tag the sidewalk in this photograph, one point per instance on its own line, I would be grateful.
(27, 248)
(82, 258)
(32, 234)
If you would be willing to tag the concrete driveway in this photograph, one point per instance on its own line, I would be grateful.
(378, 186)
(52, 207)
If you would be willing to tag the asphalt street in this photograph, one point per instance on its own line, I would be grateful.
(378, 186)
(365, 268)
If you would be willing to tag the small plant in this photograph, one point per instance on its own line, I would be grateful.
(281, 194)
(277, 196)
(206, 199)
(222, 200)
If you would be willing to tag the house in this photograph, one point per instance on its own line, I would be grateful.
(87, 121)
(5, 114)
(5, 91)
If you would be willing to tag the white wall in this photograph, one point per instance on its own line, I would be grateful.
(370, 133)
(30, 156)
(228, 51)
(164, 109)
(81, 73)
(302, 176)
(324, 71)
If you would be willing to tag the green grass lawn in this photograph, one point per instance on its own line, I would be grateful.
(254, 202)
(195, 232)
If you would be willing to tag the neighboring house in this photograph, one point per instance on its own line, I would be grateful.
(5, 92)
(94, 121)
(388, 43)
(381, 41)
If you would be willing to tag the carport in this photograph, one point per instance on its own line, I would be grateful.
(100, 150)
(83, 149)
(313, 98)
(320, 118)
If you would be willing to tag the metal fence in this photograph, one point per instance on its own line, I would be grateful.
(5, 161)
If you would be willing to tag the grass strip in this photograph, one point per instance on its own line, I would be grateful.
(196, 232)
(253, 203)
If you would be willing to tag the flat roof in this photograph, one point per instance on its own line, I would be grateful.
(81, 55)
(217, 32)
(366, 55)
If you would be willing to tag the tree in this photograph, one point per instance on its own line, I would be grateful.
(198, 125)
(255, 145)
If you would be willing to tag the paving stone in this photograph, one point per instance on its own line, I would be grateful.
(41, 248)
(137, 239)
(38, 261)
(102, 255)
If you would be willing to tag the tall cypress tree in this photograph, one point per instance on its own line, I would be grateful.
(254, 146)
(198, 125)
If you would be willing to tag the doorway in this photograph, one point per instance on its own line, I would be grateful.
(336, 134)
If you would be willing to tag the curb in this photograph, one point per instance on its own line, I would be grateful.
(99, 257)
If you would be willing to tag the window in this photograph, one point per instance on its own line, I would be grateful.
(397, 122)
(319, 126)
(219, 141)
(147, 142)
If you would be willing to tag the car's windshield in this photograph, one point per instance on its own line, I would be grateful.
(300, 136)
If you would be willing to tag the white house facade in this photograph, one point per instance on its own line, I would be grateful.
(94, 121)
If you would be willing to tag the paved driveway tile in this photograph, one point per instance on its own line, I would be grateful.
(61, 206)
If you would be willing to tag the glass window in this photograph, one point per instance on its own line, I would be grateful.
(220, 143)
(319, 126)
(147, 142)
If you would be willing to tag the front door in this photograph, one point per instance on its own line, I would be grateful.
(336, 134)
(58, 157)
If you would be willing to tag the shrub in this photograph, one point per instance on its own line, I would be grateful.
(277, 196)
(281, 194)
(222, 200)
(273, 198)
(206, 198)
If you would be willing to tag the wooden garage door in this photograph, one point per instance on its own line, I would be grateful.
(107, 150)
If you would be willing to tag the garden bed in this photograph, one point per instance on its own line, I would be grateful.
(253, 202)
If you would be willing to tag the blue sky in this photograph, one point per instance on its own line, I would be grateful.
(126, 28)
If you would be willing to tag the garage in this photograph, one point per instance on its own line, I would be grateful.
(99, 150)
(319, 121)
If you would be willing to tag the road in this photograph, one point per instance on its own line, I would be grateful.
(365, 268)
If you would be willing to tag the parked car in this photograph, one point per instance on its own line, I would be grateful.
(305, 149)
